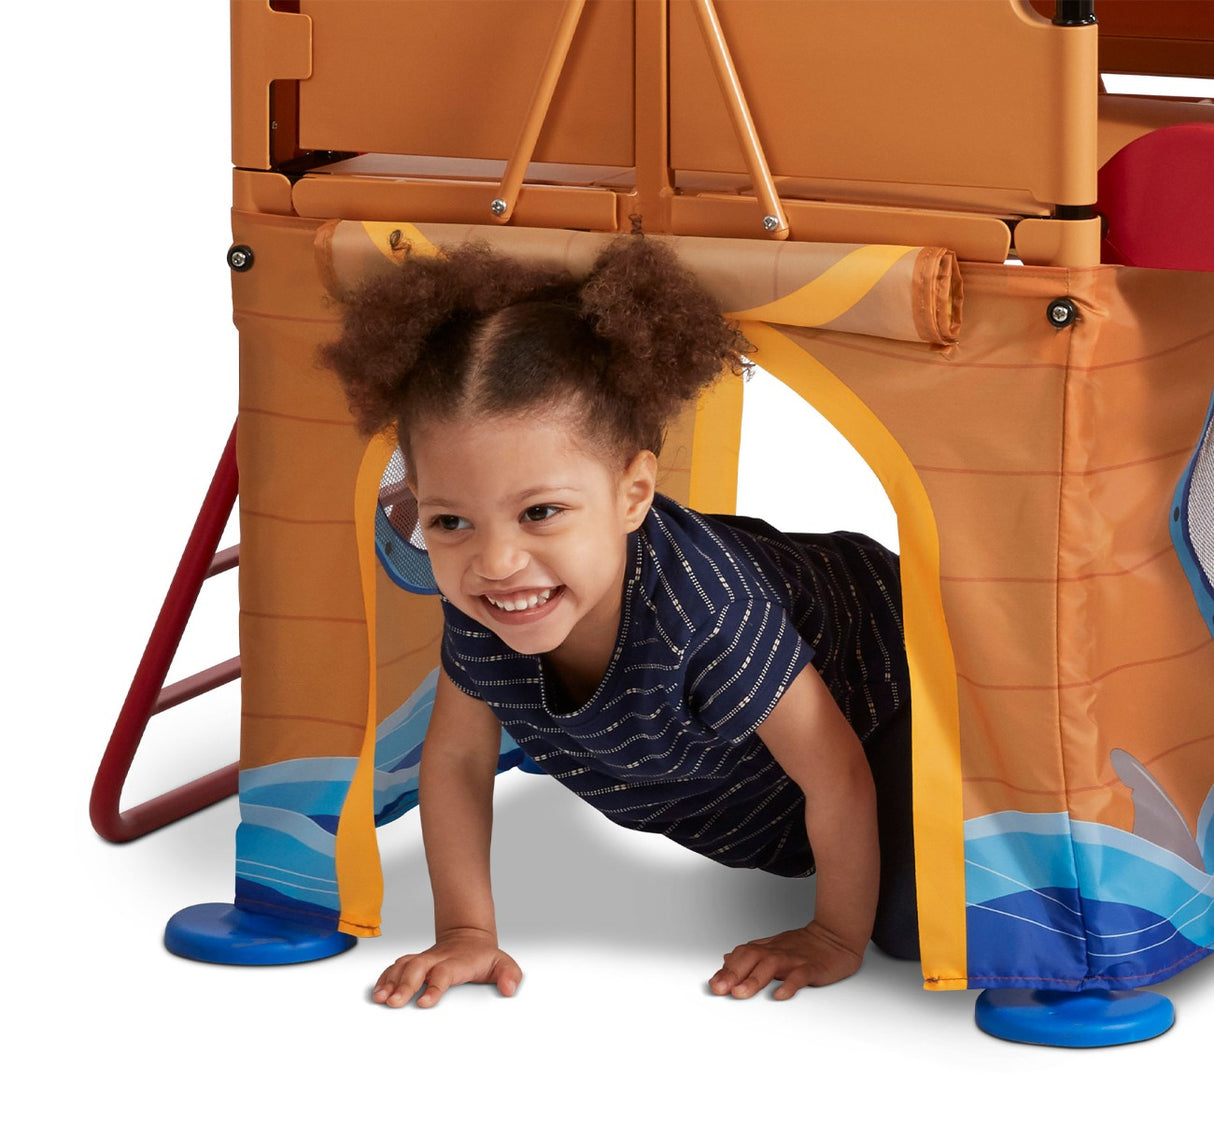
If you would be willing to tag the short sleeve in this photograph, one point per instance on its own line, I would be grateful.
(451, 655)
(741, 666)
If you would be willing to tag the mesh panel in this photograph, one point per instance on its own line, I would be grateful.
(398, 536)
(1200, 525)
(1193, 521)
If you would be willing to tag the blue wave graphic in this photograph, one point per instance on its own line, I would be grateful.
(263, 900)
(1072, 905)
(1051, 903)
(289, 811)
(1205, 830)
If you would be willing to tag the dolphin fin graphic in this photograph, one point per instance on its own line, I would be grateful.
(1156, 818)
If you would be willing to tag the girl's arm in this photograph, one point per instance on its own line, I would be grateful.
(459, 762)
(812, 741)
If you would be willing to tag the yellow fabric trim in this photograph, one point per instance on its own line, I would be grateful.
(360, 881)
(381, 233)
(715, 448)
(837, 290)
(939, 820)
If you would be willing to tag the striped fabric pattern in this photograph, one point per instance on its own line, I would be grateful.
(719, 615)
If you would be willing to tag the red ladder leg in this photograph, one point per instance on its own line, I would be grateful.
(148, 694)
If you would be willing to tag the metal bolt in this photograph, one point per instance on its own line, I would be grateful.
(1062, 312)
(771, 223)
(240, 258)
(498, 206)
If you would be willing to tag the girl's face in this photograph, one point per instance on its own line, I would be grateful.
(526, 528)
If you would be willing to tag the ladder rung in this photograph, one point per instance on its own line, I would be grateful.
(222, 561)
(196, 684)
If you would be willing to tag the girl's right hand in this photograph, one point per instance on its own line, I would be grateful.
(457, 958)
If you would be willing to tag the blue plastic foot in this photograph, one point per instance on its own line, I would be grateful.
(223, 933)
(1091, 1019)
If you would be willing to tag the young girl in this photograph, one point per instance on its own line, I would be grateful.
(741, 691)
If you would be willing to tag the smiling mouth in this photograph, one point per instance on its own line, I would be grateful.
(522, 602)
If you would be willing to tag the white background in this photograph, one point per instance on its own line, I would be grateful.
(120, 392)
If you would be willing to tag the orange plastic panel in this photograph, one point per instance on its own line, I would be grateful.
(973, 237)
(382, 199)
(456, 78)
(267, 46)
(1173, 37)
(1040, 241)
(987, 95)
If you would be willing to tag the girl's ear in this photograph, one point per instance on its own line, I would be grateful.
(637, 486)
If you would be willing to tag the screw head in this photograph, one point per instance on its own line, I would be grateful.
(1062, 312)
(240, 258)
(771, 222)
(498, 206)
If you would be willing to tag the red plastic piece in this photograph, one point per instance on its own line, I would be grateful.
(148, 694)
(1157, 195)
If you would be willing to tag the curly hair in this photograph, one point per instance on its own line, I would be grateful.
(478, 333)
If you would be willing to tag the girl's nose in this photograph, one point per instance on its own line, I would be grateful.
(500, 557)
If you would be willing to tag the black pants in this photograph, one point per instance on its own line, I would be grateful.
(896, 931)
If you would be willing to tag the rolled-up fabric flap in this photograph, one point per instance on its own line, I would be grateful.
(907, 293)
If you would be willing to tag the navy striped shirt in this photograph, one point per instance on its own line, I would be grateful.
(719, 615)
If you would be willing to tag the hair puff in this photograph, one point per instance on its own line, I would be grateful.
(405, 333)
(667, 337)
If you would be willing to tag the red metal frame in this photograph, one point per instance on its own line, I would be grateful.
(149, 695)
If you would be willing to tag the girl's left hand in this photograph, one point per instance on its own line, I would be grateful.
(808, 956)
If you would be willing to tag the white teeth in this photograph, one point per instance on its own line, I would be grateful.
(521, 603)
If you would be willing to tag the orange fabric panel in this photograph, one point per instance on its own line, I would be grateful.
(1142, 372)
(1050, 458)
(303, 630)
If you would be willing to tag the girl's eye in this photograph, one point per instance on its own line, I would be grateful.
(449, 523)
(540, 513)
